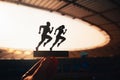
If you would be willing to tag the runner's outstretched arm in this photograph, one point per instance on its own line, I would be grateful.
(55, 31)
(65, 31)
(40, 29)
(51, 30)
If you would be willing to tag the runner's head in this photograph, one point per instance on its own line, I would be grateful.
(48, 23)
(62, 26)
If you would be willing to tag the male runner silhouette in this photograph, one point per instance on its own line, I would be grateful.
(46, 29)
(58, 36)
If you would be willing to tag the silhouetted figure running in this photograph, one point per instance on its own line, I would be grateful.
(58, 37)
(46, 29)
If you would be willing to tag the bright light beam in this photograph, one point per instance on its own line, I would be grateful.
(19, 27)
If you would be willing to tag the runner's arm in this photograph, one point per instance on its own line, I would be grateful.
(55, 31)
(51, 30)
(40, 29)
(65, 31)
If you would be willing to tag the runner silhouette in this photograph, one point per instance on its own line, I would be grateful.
(46, 29)
(58, 36)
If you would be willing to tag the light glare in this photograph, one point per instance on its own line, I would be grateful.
(19, 29)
